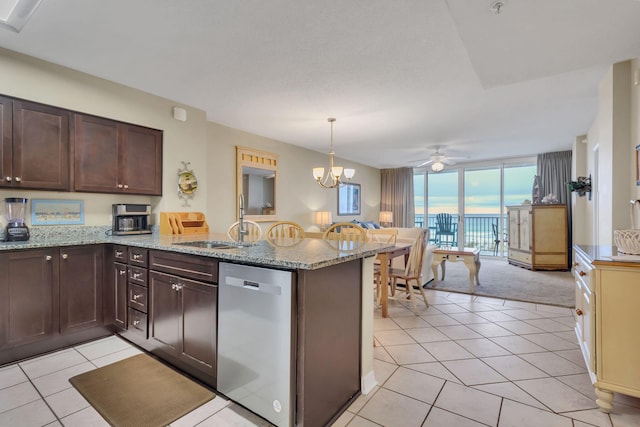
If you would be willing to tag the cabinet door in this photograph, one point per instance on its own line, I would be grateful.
(6, 147)
(164, 304)
(524, 241)
(96, 154)
(81, 276)
(514, 228)
(120, 297)
(28, 296)
(199, 302)
(141, 167)
(40, 146)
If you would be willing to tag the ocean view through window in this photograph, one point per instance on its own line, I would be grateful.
(481, 193)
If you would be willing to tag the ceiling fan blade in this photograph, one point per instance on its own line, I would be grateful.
(448, 161)
(425, 163)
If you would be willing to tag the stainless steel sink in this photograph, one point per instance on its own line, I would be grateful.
(208, 244)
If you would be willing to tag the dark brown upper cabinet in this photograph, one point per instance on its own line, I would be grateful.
(116, 157)
(35, 146)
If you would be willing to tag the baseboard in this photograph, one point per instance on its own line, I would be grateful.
(368, 382)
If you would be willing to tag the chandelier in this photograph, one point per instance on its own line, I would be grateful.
(335, 174)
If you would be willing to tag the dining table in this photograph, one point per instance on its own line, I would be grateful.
(385, 256)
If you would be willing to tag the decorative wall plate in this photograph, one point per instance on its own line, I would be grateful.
(187, 183)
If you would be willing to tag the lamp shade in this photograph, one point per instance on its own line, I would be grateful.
(322, 218)
(386, 217)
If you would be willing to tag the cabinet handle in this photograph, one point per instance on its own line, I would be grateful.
(136, 296)
(136, 257)
(177, 287)
(579, 312)
(119, 253)
(136, 322)
(65, 256)
(47, 258)
(18, 179)
(122, 272)
(8, 178)
(581, 273)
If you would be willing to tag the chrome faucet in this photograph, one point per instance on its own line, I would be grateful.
(242, 229)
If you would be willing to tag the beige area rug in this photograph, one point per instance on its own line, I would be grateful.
(140, 391)
(499, 279)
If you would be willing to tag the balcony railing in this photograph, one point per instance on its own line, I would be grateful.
(478, 232)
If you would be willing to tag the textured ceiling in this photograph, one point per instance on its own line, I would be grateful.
(401, 77)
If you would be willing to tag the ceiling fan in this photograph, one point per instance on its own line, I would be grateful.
(437, 161)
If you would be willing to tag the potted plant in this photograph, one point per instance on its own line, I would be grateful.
(581, 186)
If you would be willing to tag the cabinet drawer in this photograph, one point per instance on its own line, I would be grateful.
(138, 297)
(138, 275)
(138, 256)
(189, 266)
(120, 253)
(520, 256)
(138, 322)
(582, 270)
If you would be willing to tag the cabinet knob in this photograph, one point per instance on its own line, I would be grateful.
(119, 253)
(126, 186)
(136, 322)
(119, 185)
(47, 258)
(137, 275)
(8, 178)
(575, 264)
(581, 273)
(18, 179)
(136, 256)
(136, 296)
(579, 312)
(65, 256)
(123, 272)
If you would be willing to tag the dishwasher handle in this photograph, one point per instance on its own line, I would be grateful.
(267, 288)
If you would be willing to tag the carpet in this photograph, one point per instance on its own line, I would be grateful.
(140, 391)
(499, 279)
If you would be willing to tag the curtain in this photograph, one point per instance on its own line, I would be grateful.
(554, 170)
(396, 195)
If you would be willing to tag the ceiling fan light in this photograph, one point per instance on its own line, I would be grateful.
(437, 166)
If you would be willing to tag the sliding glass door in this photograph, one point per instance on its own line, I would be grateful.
(482, 209)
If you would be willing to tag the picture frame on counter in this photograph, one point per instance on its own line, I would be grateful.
(57, 212)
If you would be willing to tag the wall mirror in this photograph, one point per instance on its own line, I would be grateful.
(256, 179)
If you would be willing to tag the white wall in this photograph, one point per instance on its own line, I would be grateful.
(209, 147)
(613, 135)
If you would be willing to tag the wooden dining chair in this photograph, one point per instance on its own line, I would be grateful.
(254, 231)
(345, 236)
(382, 235)
(285, 233)
(411, 273)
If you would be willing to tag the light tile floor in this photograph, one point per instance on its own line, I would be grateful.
(464, 361)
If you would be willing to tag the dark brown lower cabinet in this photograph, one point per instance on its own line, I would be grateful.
(28, 296)
(182, 320)
(120, 296)
(49, 299)
(81, 278)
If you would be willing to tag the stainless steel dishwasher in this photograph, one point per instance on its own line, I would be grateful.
(254, 340)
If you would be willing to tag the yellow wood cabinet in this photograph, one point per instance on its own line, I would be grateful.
(538, 237)
(606, 325)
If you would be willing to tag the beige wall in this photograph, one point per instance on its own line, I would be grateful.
(297, 194)
(209, 147)
(609, 156)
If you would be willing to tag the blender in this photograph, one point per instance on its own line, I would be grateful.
(16, 209)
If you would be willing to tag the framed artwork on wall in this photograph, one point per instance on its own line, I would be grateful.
(57, 212)
(349, 199)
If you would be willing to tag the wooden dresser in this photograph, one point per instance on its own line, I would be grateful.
(607, 292)
(538, 237)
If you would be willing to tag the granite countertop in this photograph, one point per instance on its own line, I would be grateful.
(309, 254)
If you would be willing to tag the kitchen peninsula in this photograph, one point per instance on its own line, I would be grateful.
(331, 309)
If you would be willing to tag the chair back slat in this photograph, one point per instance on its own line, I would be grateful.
(345, 236)
(253, 228)
(285, 233)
